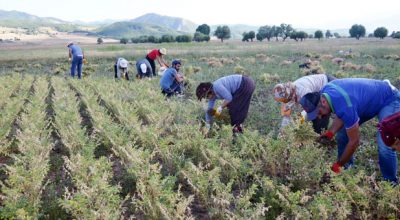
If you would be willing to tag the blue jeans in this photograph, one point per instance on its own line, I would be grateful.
(387, 156)
(76, 64)
(176, 88)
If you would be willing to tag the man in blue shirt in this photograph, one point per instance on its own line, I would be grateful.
(355, 101)
(77, 56)
(171, 81)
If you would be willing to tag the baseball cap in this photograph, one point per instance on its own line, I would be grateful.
(143, 67)
(309, 102)
(123, 63)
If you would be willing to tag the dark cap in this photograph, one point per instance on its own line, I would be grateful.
(309, 102)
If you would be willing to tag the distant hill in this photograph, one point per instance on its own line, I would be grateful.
(16, 19)
(134, 29)
(174, 23)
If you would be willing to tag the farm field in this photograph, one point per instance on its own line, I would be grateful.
(97, 148)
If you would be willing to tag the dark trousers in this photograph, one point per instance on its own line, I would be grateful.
(152, 64)
(239, 106)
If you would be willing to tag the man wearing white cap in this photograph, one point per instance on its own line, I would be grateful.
(144, 69)
(121, 66)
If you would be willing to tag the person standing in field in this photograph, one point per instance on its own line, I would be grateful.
(144, 69)
(121, 69)
(290, 93)
(76, 57)
(171, 81)
(156, 54)
(355, 101)
(235, 91)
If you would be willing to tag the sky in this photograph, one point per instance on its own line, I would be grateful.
(335, 14)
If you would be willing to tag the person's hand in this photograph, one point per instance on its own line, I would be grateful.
(85, 61)
(336, 167)
(219, 110)
(326, 138)
(208, 126)
(69, 59)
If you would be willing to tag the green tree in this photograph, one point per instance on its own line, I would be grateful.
(204, 29)
(381, 32)
(397, 35)
(245, 36)
(265, 32)
(252, 35)
(183, 38)
(167, 38)
(222, 32)
(123, 40)
(318, 34)
(276, 32)
(99, 40)
(199, 37)
(357, 31)
(287, 29)
(328, 34)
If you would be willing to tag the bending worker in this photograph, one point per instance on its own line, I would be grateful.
(290, 93)
(144, 69)
(236, 92)
(156, 54)
(121, 69)
(355, 101)
(75, 55)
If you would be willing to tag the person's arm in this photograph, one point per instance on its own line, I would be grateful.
(163, 61)
(69, 53)
(179, 77)
(337, 124)
(210, 106)
(353, 134)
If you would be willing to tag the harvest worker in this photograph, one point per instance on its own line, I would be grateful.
(121, 68)
(156, 54)
(143, 68)
(355, 101)
(172, 81)
(290, 94)
(235, 90)
(76, 56)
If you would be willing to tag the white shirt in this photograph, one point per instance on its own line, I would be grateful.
(311, 83)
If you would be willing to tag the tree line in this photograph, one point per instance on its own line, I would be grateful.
(267, 32)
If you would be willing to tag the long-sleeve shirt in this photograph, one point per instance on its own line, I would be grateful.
(223, 88)
(119, 65)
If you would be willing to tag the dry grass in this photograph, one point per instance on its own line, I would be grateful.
(350, 66)
(326, 57)
(338, 60)
(285, 63)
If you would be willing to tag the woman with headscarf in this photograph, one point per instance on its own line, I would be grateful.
(290, 94)
(235, 91)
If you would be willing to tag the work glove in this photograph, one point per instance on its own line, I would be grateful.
(69, 59)
(85, 61)
(336, 167)
(208, 126)
(326, 138)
